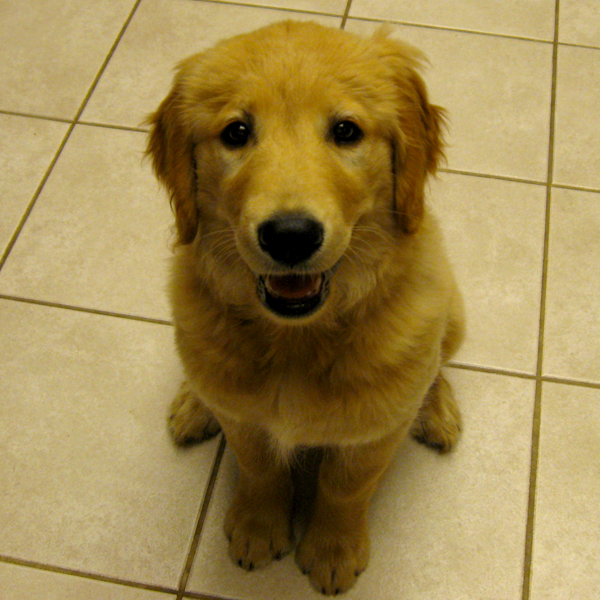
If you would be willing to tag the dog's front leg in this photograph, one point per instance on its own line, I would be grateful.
(335, 548)
(258, 522)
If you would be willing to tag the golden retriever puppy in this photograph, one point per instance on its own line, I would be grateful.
(313, 302)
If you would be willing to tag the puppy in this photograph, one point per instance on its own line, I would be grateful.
(312, 299)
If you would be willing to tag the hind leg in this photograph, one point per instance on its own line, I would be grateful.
(438, 423)
(189, 420)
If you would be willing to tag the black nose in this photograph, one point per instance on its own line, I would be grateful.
(290, 238)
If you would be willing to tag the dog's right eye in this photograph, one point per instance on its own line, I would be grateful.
(236, 134)
(346, 133)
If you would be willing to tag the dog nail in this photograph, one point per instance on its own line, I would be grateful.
(251, 567)
(240, 563)
(278, 556)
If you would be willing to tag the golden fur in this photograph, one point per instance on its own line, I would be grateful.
(362, 371)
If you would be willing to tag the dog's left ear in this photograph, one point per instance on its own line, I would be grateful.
(418, 136)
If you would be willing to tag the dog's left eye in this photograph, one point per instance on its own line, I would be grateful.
(346, 133)
(236, 134)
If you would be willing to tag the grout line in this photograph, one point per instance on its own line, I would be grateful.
(34, 198)
(65, 139)
(346, 13)
(14, 113)
(490, 370)
(453, 29)
(491, 176)
(112, 126)
(537, 411)
(572, 382)
(520, 375)
(577, 188)
(451, 364)
(278, 8)
(574, 45)
(346, 17)
(201, 519)
(197, 596)
(84, 575)
(105, 62)
(93, 311)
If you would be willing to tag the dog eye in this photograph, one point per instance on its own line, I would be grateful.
(346, 132)
(236, 134)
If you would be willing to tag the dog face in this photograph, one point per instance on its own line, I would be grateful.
(295, 156)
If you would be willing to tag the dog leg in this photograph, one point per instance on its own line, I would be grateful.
(258, 522)
(335, 547)
(189, 420)
(438, 423)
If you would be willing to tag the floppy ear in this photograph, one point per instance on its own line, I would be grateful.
(417, 139)
(172, 151)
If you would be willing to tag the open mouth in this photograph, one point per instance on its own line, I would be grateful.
(294, 295)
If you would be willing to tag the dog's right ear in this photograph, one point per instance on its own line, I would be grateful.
(172, 151)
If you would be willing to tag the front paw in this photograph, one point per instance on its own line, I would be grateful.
(258, 533)
(189, 420)
(438, 424)
(333, 559)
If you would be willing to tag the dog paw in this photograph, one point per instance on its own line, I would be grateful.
(438, 424)
(257, 535)
(189, 420)
(333, 560)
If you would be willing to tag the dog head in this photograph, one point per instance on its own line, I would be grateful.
(296, 156)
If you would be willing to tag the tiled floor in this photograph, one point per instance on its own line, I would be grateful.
(95, 502)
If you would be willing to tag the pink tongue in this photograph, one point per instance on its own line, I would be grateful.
(293, 286)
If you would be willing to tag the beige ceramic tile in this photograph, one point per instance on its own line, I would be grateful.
(523, 18)
(497, 92)
(566, 552)
(52, 51)
(494, 234)
(580, 22)
(99, 234)
(577, 129)
(330, 7)
(20, 583)
(442, 527)
(140, 72)
(90, 479)
(572, 332)
(27, 147)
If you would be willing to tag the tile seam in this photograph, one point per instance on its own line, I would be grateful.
(491, 370)
(346, 13)
(279, 8)
(574, 45)
(66, 137)
(105, 62)
(16, 113)
(30, 206)
(506, 36)
(49, 568)
(113, 126)
(492, 176)
(93, 311)
(575, 382)
(576, 188)
(571, 382)
(206, 501)
(537, 411)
